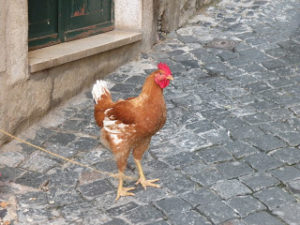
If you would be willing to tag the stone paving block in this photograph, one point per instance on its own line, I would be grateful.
(72, 124)
(201, 126)
(240, 149)
(96, 188)
(173, 205)
(234, 222)
(246, 132)
(289, 213)
(135, 80)
(214, 155)
(259, 181)
(150, 194)
(190, 217)
(257, 118)
(11, 159)
(279, 113)
(36, 216)
(61, 139)
(63, 179)
(234, 169)
(230, 188)
(143, 214)
(276, 127)
(35, 200)
(32, 179)
(273, 64)
(262, 218)
(205, 175)
(245, 205)
(118, 210)
(200, 197)
(262, 162)
(294, 186)
(189, 141)
(57, 198)
(296, 109)
(292, 138)
(39, 162)
(10, 173)
(94, 217)
(178, 183)
(76, 212)
(217, 211)
(182, 159)
(286, 173)
(219, 136)
(261, 105)
(123, 88)
(274, 197)
(162, 222)
(267, 142)
(84, 144)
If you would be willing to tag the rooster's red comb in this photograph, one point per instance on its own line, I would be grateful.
(165, 68)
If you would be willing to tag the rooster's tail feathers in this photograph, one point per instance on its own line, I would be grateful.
(99, 88)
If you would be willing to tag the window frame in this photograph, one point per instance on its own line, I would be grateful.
(63, 34)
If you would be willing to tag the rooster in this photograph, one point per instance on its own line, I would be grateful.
(128, 125)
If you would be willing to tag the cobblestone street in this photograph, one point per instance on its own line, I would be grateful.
(229, 153)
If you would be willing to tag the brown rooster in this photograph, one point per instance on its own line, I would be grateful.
(129, 124)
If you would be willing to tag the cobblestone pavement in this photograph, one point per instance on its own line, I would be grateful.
(228, 154)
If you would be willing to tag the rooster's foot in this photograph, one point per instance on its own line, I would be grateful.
(149, 183)
(125, 192)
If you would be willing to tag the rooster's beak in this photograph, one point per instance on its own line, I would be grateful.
(170, 77)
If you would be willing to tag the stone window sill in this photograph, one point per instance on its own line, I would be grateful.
(56, 55)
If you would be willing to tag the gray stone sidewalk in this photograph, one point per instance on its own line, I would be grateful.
(228, 154)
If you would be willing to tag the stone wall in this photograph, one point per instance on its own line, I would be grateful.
(173, 14)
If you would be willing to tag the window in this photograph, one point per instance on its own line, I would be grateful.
(56, 21)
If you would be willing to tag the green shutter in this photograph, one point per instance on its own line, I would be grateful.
(43, 22)
(54, 21)
(85, 17)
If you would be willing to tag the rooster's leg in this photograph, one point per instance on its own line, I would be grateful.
(142, 179)
(122, 191)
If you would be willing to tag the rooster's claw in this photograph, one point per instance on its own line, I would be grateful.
(146, 183)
